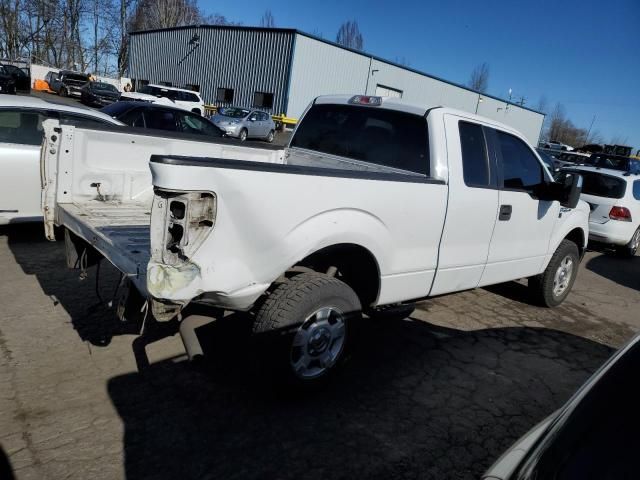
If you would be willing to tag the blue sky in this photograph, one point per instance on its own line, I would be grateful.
(583, 54)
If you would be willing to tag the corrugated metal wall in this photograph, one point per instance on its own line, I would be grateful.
(245, 60)
(319, 68)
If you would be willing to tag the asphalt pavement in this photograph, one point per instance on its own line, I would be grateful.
(440, 395)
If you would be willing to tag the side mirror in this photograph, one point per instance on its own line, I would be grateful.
(572, 183)
(566, 189)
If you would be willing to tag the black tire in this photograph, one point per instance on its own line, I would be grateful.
(196, 111)
(271, 136)
(629, 250)
(292, 314)
(391, 312)
(63, 92)
(243, 135)
(544, 289)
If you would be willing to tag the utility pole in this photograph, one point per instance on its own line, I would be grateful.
(589, 131)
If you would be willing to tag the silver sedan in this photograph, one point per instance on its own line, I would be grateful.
(245, 123)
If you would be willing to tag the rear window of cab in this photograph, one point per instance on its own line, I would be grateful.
(601, 185)
(374, 135)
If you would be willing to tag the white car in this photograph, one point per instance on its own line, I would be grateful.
(557, 146)
(176, 97)
(614, 199)
(21, 133)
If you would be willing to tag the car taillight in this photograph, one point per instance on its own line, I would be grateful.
(620, 213)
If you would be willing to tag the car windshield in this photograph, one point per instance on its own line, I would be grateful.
(105, 87)
(614, 162)
(600, 185)
(234, 112)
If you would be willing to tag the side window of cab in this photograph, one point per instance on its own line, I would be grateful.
(520, 169)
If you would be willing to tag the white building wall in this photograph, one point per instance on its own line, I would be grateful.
(318, 68)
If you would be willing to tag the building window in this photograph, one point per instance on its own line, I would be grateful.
(193, 88)
(166, 84)
(224, 95)
(382, 91)
(263, 100)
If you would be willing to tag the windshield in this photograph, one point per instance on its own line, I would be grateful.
(234, 112)
(614, 162)
(106, 87)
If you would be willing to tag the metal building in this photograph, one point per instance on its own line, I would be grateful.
(281, 70)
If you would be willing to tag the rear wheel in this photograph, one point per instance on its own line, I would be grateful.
(63, 92)
(271, 136)
(552, 286)
(196, 111)
(306, 322)
(243, 135)
(629, 250)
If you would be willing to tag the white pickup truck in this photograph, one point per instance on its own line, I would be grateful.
(374, 204)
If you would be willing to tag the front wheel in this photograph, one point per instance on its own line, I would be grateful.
(629, 250)
(270, 137)
(63, 92)
(243, 135)
(305, 324)
(552, 286)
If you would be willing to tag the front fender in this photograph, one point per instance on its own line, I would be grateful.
(570, 222)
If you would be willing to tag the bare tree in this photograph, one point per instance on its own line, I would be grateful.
(542, 104)
(479, 79)
(349, 35)
(267, 20)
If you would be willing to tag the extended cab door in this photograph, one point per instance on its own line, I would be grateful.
(523, 229)
(471, 207)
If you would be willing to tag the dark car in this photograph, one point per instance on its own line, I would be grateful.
(66, 83)
(160, 117)
(7, 83)
(593, 436)
(99, 93)
(21, 79)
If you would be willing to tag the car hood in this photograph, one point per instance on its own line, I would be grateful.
(105, 93)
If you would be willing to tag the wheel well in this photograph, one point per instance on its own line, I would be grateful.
(356, 266)
(577, 236)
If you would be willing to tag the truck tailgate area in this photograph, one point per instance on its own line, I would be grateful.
(120, 231)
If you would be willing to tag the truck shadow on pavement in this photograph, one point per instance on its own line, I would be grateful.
(90, 317)
(415, 401)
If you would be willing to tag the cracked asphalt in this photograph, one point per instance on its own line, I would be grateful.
(440, 395)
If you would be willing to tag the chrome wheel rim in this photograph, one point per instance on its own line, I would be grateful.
(563, 275)
(318, 343)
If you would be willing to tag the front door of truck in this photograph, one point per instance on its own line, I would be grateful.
(471, 207)
(522, 232)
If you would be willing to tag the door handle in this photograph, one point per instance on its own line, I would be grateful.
(505, 212)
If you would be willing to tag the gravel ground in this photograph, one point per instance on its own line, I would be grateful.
(439, 396)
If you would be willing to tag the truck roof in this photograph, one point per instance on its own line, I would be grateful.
(393, 103)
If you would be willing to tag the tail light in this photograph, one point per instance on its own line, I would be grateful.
(180, 222)
(365, 100)
(620, 213)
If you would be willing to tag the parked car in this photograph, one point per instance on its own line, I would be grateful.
(66, 83)
(369, 208)
(176, 97)
(553, 145)
(593, 436)
(20, 138)
(7, 82)
(245, 123)
(99, 93)
(160, 117)
(21, 79)
(614, 200)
